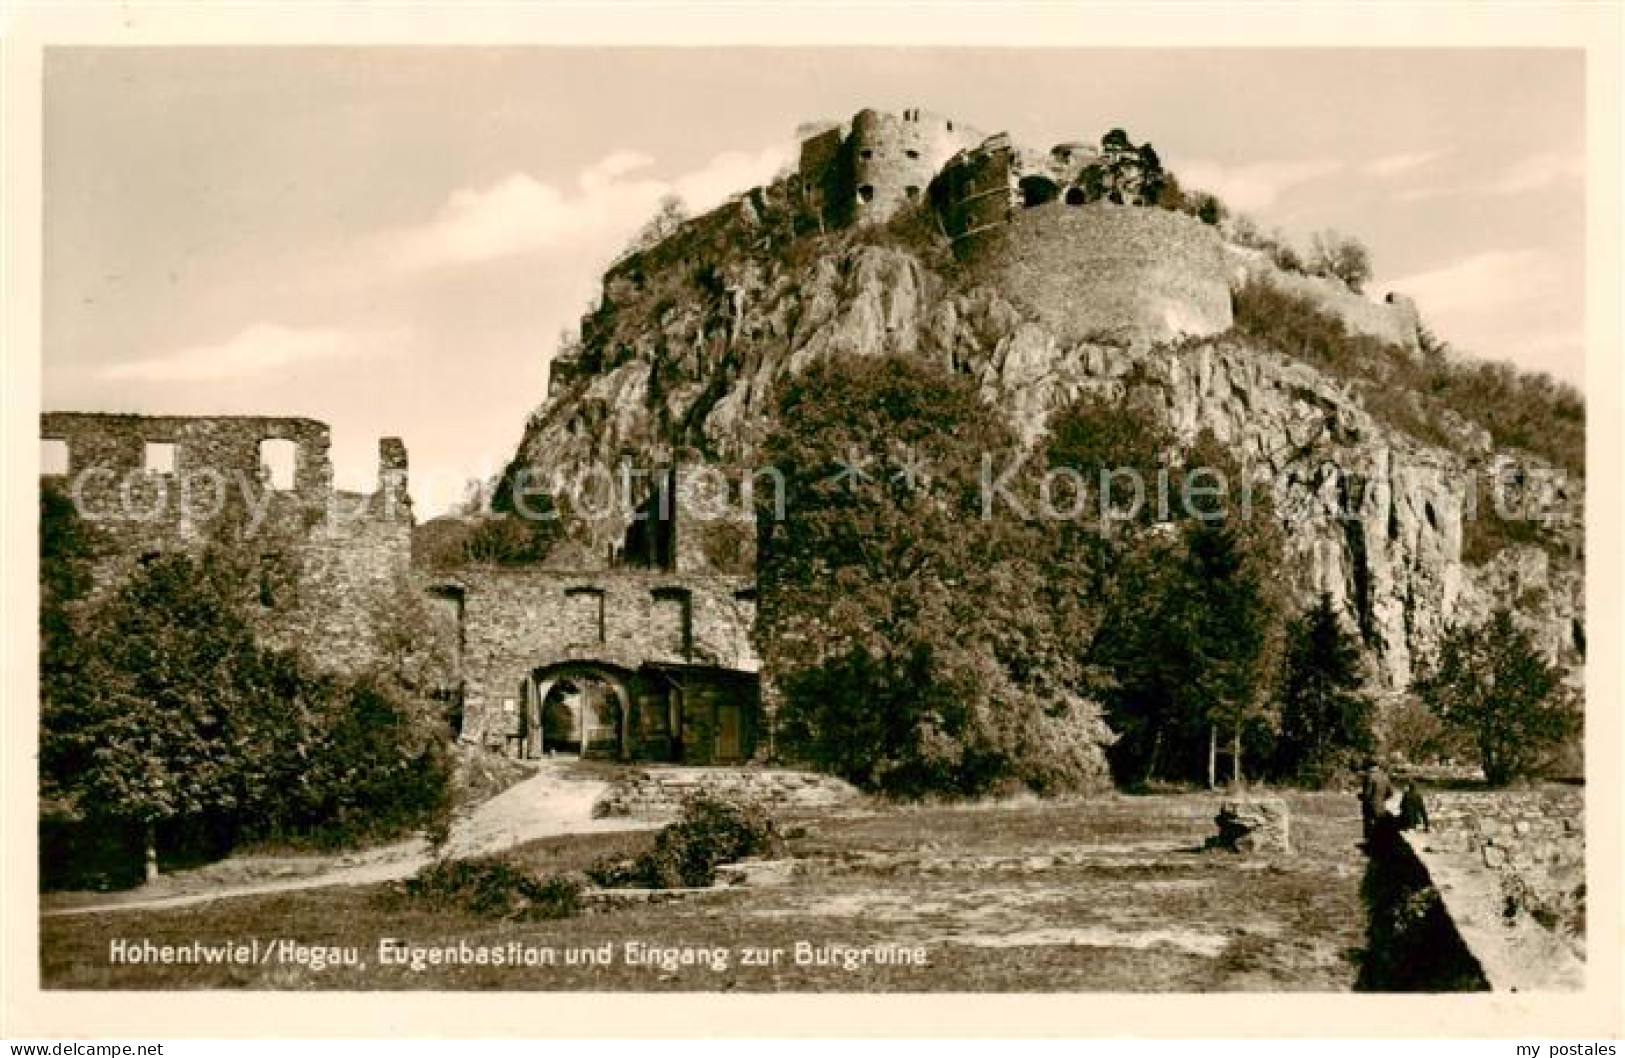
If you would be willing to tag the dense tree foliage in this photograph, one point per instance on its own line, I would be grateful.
(1325, 712)
(1492, 685)
(175, 721)
(510, 521)
(921, 646)
(1193, 607)
(918, 645)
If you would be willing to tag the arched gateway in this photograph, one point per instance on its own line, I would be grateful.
(604, 710)
(579, 707)
(630, 664)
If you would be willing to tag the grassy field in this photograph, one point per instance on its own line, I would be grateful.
(1112, 894)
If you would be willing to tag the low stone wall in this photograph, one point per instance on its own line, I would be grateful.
(1536, 837)
(1413, 941)
(660, 792)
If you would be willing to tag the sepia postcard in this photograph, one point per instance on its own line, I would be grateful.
(1018, 516)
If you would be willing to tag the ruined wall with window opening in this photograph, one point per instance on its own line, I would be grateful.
(328, 567)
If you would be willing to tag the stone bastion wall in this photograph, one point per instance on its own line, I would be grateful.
(1107, 271)
(1508, 869)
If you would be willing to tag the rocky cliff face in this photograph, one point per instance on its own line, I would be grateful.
(684, 368)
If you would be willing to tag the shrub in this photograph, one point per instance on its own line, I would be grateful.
(493, 889)
(1412, 733)
(686, 853)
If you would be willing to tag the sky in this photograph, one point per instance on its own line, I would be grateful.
(393, 240)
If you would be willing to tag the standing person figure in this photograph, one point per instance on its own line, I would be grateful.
(1374, 794)
(1413, 811)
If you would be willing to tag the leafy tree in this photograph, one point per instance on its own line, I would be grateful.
(1154, 180)
(1111, 443)
(177, 722)
(1234, 622)
(1284, 254)
(1192, 626)
(1325, 713)
(1341, 257)
(69, 547)
(1126, 174)
(165, 734)
(1491, 684)
(1207, 208)
(915, 643)
(1116, 142)
(1411, 732)
(669, 215)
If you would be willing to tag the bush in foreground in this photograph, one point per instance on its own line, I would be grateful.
(493, 889)
(686, 853)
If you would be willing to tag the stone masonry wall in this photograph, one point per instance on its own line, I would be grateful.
(1394, 320)
(518, 620)
(331, 564)
(660, 792)
(1536, 835)
(1107, 271)
(864, 172)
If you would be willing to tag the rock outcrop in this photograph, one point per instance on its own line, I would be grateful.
(686, 363)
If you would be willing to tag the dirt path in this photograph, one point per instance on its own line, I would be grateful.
(548, 803)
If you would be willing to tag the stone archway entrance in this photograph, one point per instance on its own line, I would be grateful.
(578, 709)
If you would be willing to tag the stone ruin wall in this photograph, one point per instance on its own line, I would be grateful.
(659, 793)
(514, 621)
(1017, 215)
(1537, 836)
(1086, 270)
(986, 186)
(331, 563)
(863, 172)
(1393, 320)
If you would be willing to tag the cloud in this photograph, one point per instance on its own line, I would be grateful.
(608, 202)
(1535, 172)
(1483, 280)
(257, 349)
(1392, 165)
(1256, 186)
(1503, 303)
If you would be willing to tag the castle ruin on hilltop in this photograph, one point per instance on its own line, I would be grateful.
(1071, 233)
